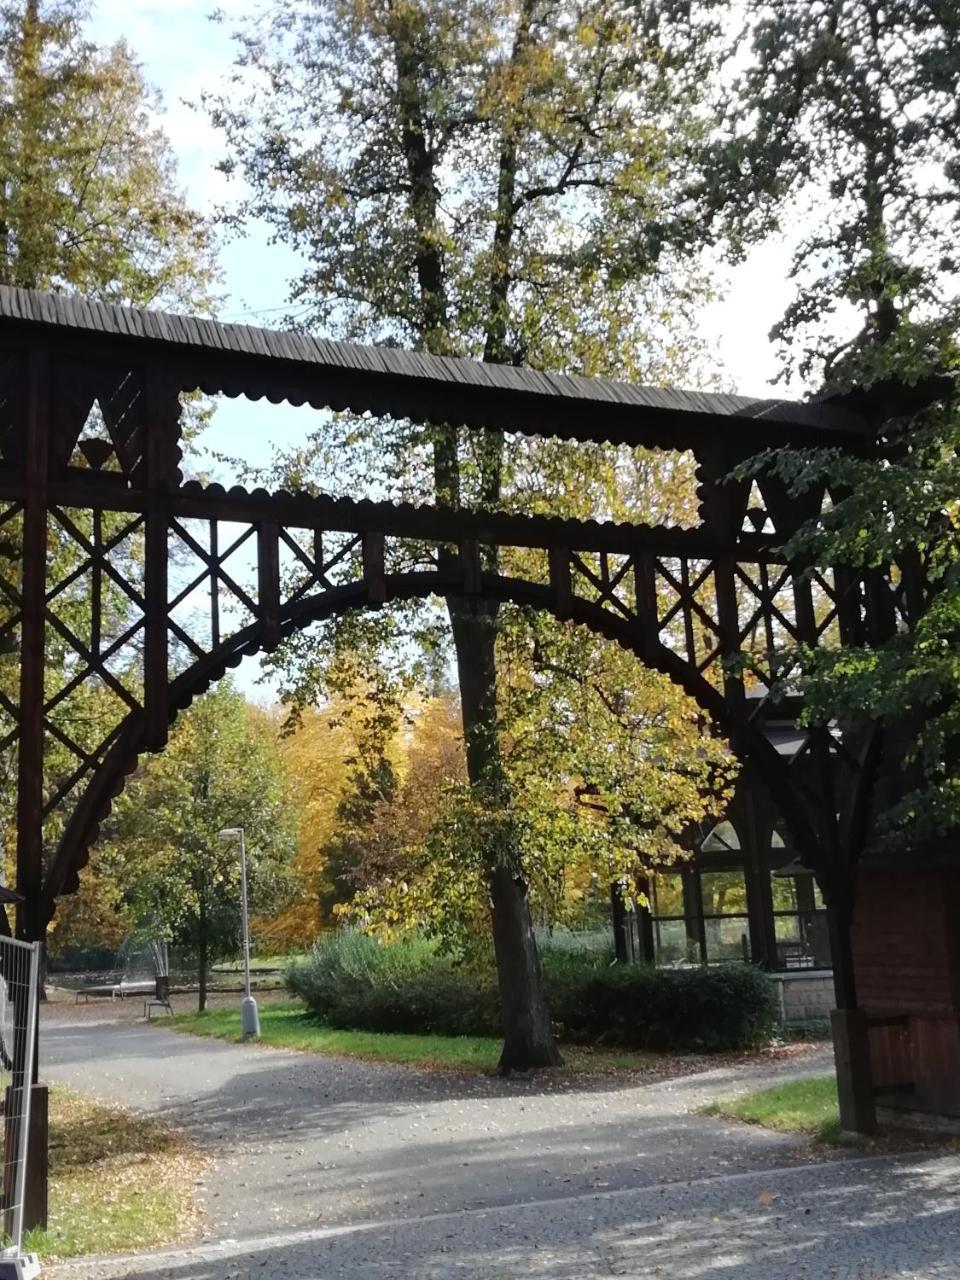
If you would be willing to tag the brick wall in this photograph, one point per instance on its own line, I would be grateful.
(904, 943)
(906, 947)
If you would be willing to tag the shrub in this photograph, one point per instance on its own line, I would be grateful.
(714, 1010)
(352, 981)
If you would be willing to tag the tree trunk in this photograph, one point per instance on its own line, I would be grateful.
(527, 1034)
(528, 1040)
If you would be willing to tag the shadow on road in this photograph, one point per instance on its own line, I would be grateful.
(873, 1220)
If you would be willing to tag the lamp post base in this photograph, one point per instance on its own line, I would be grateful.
(249, 1019)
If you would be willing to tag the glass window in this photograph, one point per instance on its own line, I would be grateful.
(673, 944)
(727, 938)
(721, 839)
(666, 894)
(788, 929)
(783, 890)
(724, 893)
(725, 925)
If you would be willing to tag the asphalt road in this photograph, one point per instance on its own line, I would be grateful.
(335, 1168)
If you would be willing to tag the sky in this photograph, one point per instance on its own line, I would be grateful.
(184, 53)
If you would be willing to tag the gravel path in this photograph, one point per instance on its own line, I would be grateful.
(306, 1140)
(337, 1168)
(877, 1219)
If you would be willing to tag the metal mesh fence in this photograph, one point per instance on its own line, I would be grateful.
(19, 965)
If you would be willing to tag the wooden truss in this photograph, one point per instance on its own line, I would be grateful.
(127, 589)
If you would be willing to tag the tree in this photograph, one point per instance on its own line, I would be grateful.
(341, 765)
(313, 759)
(178, 876)
(89, 200)
(607, 768)
(493, 182)
(853, 104)
(88, 203)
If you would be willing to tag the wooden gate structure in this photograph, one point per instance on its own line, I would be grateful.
(179, 580)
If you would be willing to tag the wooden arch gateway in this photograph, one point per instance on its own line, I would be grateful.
(94, 509)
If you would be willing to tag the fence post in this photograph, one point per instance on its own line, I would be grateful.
(24, 1130)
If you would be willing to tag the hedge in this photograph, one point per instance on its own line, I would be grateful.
(715, 1010)
(352, 981)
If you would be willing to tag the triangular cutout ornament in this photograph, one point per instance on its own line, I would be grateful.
(95, 449)
(756, 517)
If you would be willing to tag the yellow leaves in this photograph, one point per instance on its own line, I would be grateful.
(320, 759)
(118, 1180)
(587, 34)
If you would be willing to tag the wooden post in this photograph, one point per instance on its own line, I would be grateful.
(756, 869)
(30, 924)
(374, 575)
(621, 925)
(848, 1023)
(155, 674)
(648, 951)
(268, 579)
(35, 1198)
(561, 582)
(159, 449)
(851, 1054)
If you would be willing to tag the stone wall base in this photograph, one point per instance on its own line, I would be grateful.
(805, 997)
(893, 1118)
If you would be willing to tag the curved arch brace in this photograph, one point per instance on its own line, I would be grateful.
(108, 781)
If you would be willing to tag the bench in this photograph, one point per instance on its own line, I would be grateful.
(116, 990)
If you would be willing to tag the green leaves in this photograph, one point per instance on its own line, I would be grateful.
(176, 875)
(89, 201)
(842, 127)
(857, 102)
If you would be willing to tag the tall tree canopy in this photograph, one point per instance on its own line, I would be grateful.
(848, 111)
(89, 203)
(494, 181)
(89, 200)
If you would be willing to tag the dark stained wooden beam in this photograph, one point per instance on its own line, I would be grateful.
(300, 369)
(32, 663)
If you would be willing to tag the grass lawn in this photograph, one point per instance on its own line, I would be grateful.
(118, 1181)
(287, 1025)
(801, 1106)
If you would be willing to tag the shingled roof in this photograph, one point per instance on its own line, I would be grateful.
(243, 360)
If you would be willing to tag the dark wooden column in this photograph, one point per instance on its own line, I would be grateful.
(620, 917)
(694, 924)
(162, 455)
(648, 952)
(753, 828)
(30, 923)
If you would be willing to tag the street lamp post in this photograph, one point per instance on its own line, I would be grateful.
(249, 1018)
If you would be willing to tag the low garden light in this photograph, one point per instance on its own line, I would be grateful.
(249, 1017)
